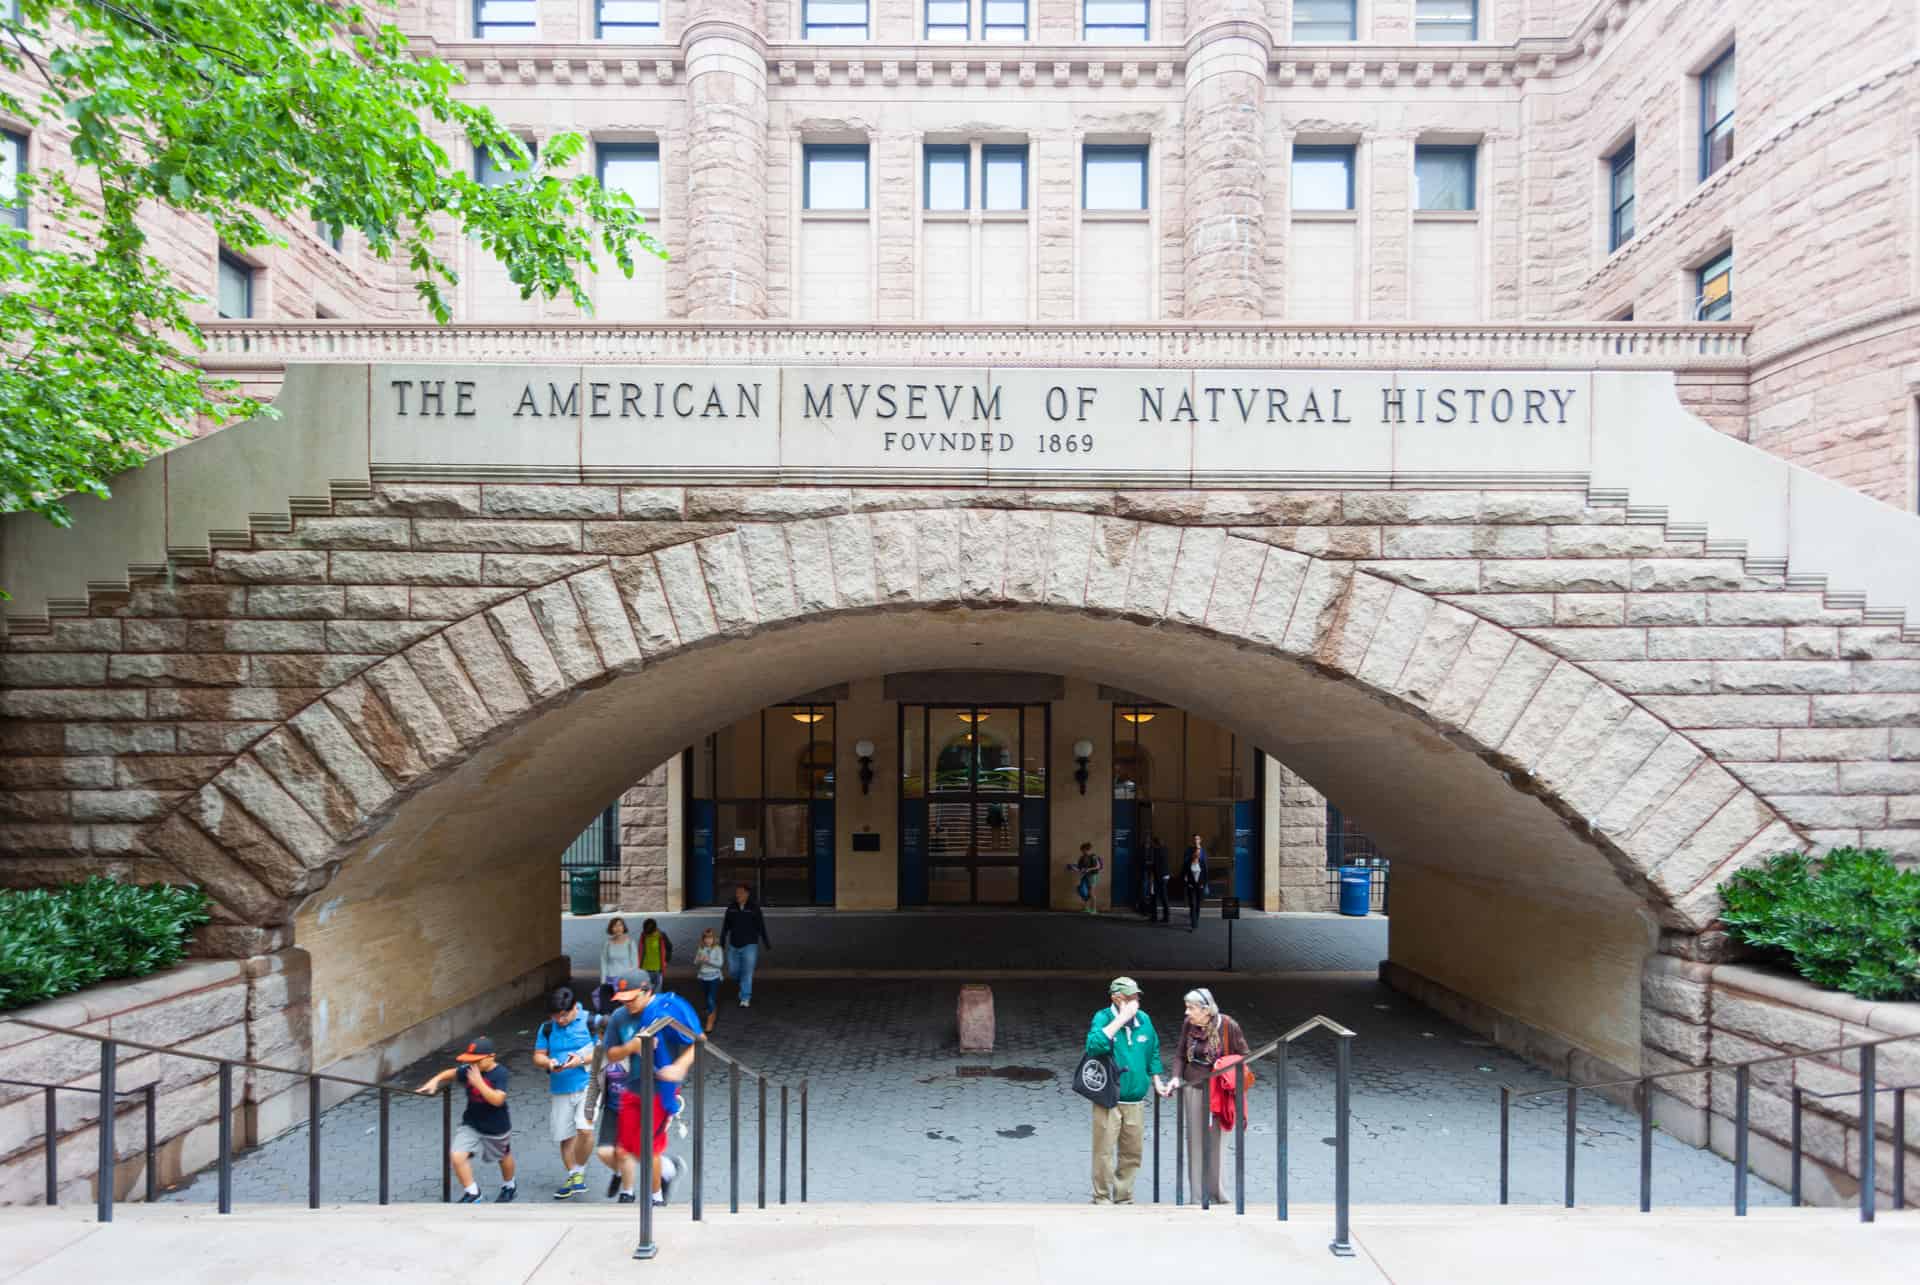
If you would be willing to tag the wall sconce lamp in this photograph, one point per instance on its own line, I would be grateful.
(863, 750)
(1082, 754)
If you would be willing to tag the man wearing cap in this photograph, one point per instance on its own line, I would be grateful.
(485, 1126)
(1126, 1035)
(672, 1059)
(564, 1050)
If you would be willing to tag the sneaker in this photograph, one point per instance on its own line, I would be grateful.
(613, 1186)
(746, 1003)
(658, 1200)
(625, 1198)
(669, 1170)
(578, 1181)
(468, 1198)
(506, 1195)
(565, 1190)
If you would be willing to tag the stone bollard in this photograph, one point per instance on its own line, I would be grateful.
(976, 1019)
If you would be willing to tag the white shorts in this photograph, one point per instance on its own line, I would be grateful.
(567, 1115)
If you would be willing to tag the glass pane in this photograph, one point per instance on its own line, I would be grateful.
(1444, 20)
(800, 752)
(947, 35)
(836, 13)
(505, 17)
(1214, 824)
(787, 832)
(1131, 774)
(1719, 146)
(736, 837)
(1161, 733)
(617, 16)
(1005, 181)
(633, 169)
(1210, 761)
(1033, 751)
(913, 748)
(236, 289)
(1718, 86)
(996, 834)
(947, 13)
(702, 757)
(837, 179)
(1443, 178)
(737, 759)
(996, 736)
(1006, 13)
(949, 885)
(786, 883)
(949, 833)
(1323, 178)
(13, 163)
(1322, 21)
(1101, 13)
(946, 178)
(999, 885)
(1623, 179)
(494, 171)
(729, 871)
(1116, 180)
(1716, 290)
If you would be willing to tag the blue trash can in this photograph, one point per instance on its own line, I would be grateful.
(1356, 889)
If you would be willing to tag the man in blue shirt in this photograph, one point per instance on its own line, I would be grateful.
(672, 1059)
(564, 1050)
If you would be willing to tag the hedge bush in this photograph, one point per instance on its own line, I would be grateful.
(1849, 921)
(56, 940)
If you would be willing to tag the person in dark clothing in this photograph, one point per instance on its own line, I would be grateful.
(1157, 907)
(1193, 870)
(743, 933)
(486, 1126)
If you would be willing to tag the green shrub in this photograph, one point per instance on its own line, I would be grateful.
(1849, 921)
(57, 940)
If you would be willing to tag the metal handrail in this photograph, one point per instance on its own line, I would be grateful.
(1342, 1243)
(1742, 1079)
(1899, 1092)
(145, 1092)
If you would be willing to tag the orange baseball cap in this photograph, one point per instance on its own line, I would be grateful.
(626, 988)
(478, 1051)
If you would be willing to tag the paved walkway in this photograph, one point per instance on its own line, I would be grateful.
(935, 1245)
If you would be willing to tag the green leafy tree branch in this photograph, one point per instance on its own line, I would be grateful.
(246, 115)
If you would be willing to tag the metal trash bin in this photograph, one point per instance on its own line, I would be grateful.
(1356, 889)
(584, 887)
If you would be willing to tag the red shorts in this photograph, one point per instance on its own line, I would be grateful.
(628, 1137)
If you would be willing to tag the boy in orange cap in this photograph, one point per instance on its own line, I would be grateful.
(485, 1126)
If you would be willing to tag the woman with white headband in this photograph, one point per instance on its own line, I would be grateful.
(1206, 1036)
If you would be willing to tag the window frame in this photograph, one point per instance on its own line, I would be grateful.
(1705, 273)
(603, 151)
(807, 24)
(1347, 151)
(1114, 150)
(810, 151)
(947, 152)
(507, 30)
(989, 153)
(1622, 159)
(18, 144)
(965, 26)
(1472, 152)
(484, 155)
(1473, 27)
(1708, 128)
(1353, 26)
(600, 24)
(224, 260)
(1026, 23)
(1144, 26)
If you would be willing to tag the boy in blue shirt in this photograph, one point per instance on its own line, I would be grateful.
(672, 1059)
(564, 1050)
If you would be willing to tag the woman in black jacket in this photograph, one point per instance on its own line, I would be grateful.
(1193, 871)
(742, 933)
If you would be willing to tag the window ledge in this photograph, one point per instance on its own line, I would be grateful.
(837, 216)
(1446, 216)
(1326, 216)
(1116, 216)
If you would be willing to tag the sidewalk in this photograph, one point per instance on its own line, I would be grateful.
(932, 1245)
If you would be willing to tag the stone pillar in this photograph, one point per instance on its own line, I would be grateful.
(1299, 837)
(644, 851)
(726, 236)
(1227, 54)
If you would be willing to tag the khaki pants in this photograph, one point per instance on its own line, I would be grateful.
(1117, 1129)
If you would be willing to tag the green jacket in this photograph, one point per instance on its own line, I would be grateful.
(1135, 1051)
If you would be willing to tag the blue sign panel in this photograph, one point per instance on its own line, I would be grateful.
(1246, 852)
(913, 852)
(1033, 852)
(820, 818)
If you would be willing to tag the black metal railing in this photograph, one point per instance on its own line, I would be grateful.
(1342, 1243)
(107, 1094)
(1642, 1092)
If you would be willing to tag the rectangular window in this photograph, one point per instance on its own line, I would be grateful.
(1446, 22)
(13, 164)
(949, 20)
(1116, 22)
(1002, 21)
(1113, 178)
(1323, 178)
(946, 177)
(505, 19)
(1325, 22)
(1715, 290)
(836, 176)
(1620, 198)
(636, 20)
(331, 235)
(833, 20)
(236, 288)
(1443, 178)
(1003, 181)
(633, 168)
(496, 171)
(1716, 115)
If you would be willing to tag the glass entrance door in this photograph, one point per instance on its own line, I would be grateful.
(985, 771)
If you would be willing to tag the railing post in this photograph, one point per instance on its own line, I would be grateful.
(1573, 1119)
(1204, 1179)
(1506, 1115)
(761, 1201)
(226, 1137)
(313, 1142)
(644, 1086)
(1868, 1145)
(803, 1142)
(1280, 1136)
(53, 1147)
(1900, 1148)
(783, 1144)
(385, 1159)
(733, 1138)
(699, 1127)
(1240, 1139)
(446, 1145)
(1342, 1148)
(1156, 1147)
(1180, 1146)
(1742, 1104)
(104, 1176)
(1797, 1108)
(153, 1143)
(1646, 1146)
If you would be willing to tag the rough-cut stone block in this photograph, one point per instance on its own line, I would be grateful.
(272, 566)
(1434, 654)
(526, 650)
(497, 536)
(896, 575)
(1443, 576)
(1788, 778)
(1666, 609)
(550, 501)
(428, 499)
(566, 634)
(1782, 676)
(334, 748)
(1658, 776)
(1480, 661)
(1572, 753)
(1559, 696)
(1507, 697)
(254, 788)
(405, 568)
(936, 545)
(1711, 643)
(1730, 711)
(233, 858)
(1399, 631)
(1831, 811)
(1514, 610)
(1590, 610)
(811, 566)
(1675, 819)
(1321, 593)
(758, 504)
(493, 677)
(1655, 677)
(851, 542)
(1685, 575)
(1194, 569)
(1351, 624)
(652, 503)
(1282, 574)
(639, 581)
(1708, 848)
(379, 733)
(598, 599)
(1029, 537)
(1568, 575)
(1591, 644)
(1774, 609)
(1151, 578)
(1866, 711)
(446, 681)
(764, 548)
